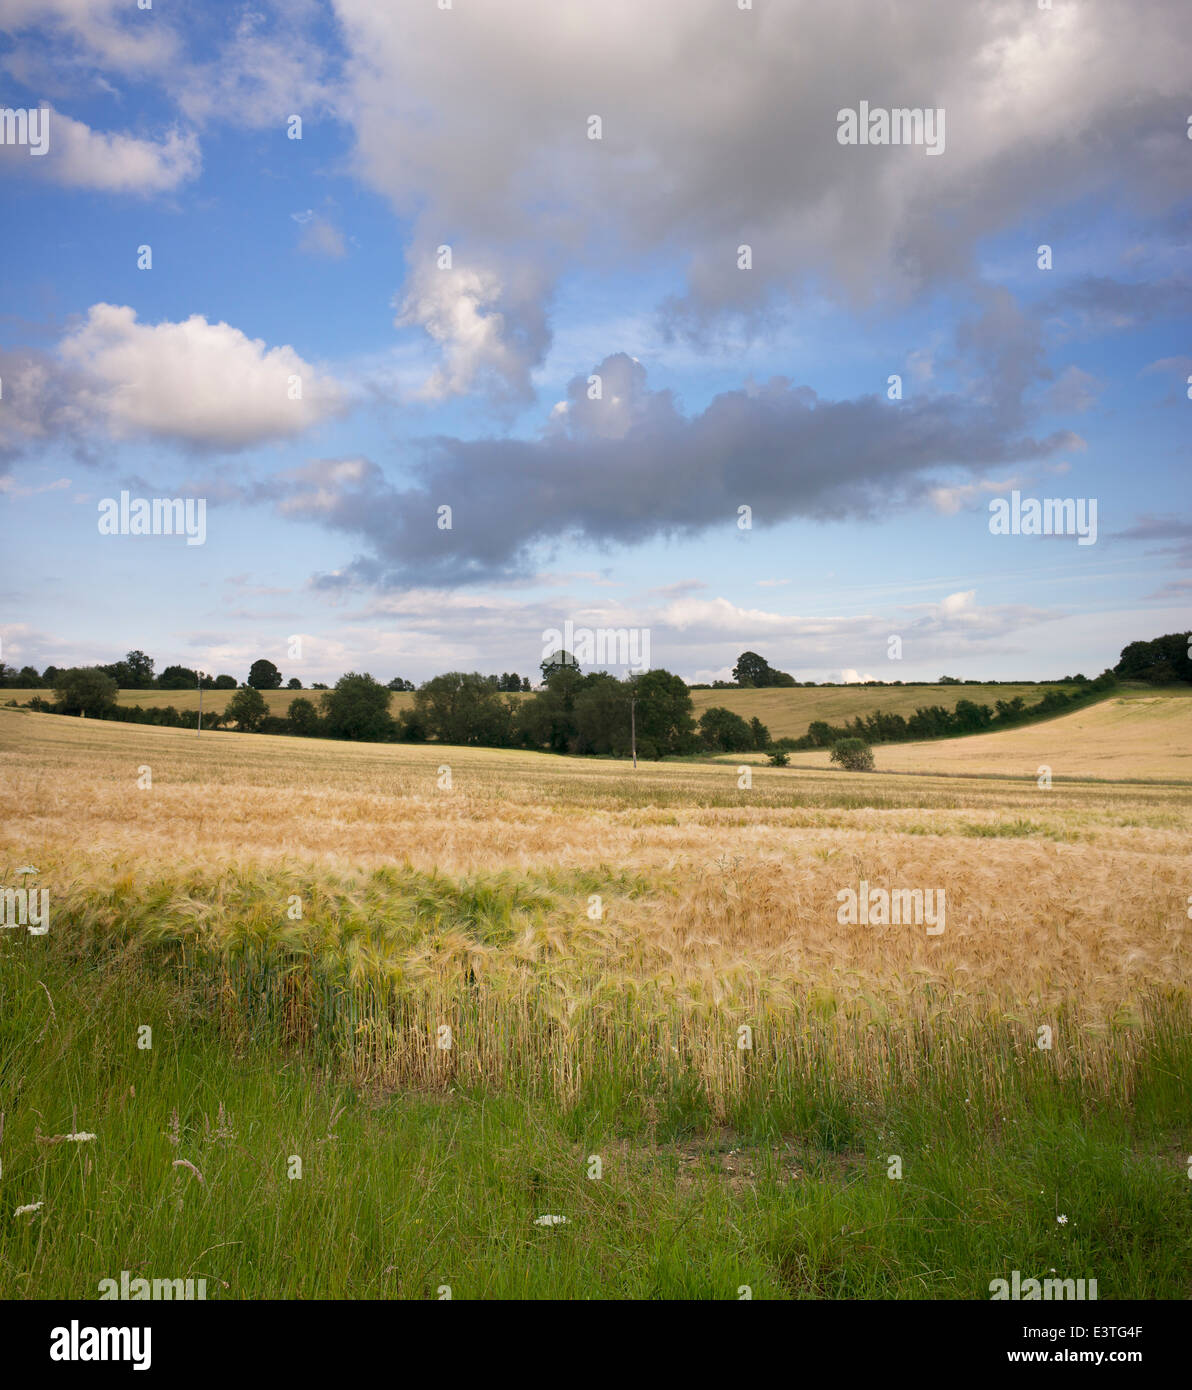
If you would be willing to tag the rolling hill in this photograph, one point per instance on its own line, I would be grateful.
(785, 712)
(1138, 734)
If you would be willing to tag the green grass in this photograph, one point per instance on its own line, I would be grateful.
(405, 1192)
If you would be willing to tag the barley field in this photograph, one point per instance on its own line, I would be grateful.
(503, 964)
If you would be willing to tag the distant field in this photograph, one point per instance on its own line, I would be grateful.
(1139, 734)
(786, 713)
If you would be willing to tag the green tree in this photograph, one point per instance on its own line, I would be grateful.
(224, 683)
(141, 669)
(721, 729)
(247, 708)
(303, 717)
(85, 690)
(601, 715)
(1159, 661)
(761, 735)
(293, 683)
(548, 720)
(263, 675)
(751, 670)
(756, 671)
(556, 660)
(664, 712)
(358, 708)
(466, 708)
(178, 678)
(411, 727)
(779, 758)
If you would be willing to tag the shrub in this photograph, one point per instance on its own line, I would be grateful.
(853, 754)
(779, 758)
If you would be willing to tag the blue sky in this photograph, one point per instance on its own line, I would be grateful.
(468, 386)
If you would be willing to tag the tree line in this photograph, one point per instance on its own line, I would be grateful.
(937, 721)
(570, 712)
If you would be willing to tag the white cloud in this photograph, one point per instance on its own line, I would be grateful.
(487, 332)
(113, 163)
(108, 162)
(473, 122)
(205, 384)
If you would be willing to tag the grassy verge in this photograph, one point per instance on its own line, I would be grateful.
(782, 1185)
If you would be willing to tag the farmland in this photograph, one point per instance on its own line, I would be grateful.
(595, 940)
(1138, 734)
(785, 712)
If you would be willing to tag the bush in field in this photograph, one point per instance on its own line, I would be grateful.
(853, 754)
(779, 758)
(85, 690)
(247, 708)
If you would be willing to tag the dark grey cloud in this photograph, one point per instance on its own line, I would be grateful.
(1100, 303)
(632, 467)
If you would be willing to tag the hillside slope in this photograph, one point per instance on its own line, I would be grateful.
(1137, 734)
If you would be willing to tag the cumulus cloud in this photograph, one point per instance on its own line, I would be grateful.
(199, 383)
(80, 157)
(108, 162)
(491, 333)
(475, 121)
